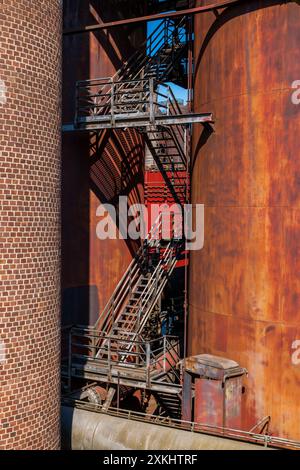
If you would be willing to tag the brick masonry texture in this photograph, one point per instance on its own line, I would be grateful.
(30, 77)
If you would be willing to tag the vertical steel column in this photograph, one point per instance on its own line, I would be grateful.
(151, 99)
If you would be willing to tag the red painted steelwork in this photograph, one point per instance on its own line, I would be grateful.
(157, 192)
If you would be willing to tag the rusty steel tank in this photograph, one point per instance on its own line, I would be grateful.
(244, 295)
(30, 177)
(95, 171)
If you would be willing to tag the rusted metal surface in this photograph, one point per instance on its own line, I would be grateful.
(245, 285)
(213, 367)
(218, 404)
(95, 170)
(143, 19)
(217, 384)
(186, 397)
(218, 390)
(147, 364)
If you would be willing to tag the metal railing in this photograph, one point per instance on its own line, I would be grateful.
(117, 302)
(107, 98)
(161, 37)
(168, 33)
(236, 434)
(135, 357)
(136, 95)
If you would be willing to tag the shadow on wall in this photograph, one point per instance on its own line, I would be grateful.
(116, 42)
(75, 301)
(75, 170)
(117, 170)
(227, 15)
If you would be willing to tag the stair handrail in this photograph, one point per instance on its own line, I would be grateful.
(146, 290)
(176, 110)
(151, 287)
(140, 53)
(167, 255)
(146, 305)
(134, 58)
(119, 290)
(168, 260)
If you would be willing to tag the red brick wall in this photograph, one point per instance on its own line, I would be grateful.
(30, 81)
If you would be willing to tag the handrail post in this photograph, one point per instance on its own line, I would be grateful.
(109, 357)
(151, 100)
(112, 104)
(168, 101)
(94, 343)
(139, 315)
(166, 32)
(137, 357)
(130, 280)
(165, 346)
(148, 351)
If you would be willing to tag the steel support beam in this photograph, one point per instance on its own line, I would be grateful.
(104, 122)
(144, 19)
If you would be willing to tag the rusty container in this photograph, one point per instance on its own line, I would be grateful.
(244, 296)
(218, 388)
(97, 168)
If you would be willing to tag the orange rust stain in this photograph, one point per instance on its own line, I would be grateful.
(245, 283)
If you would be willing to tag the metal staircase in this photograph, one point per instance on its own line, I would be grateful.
(139, 96)
(170, 404)
(140, 288)
(156, 58)
(168, 147)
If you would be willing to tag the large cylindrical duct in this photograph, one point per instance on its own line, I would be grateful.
(245, 283)
(30, 86)
(87, 430)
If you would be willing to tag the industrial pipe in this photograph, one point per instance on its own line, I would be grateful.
(88, 430)
(144, 19)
